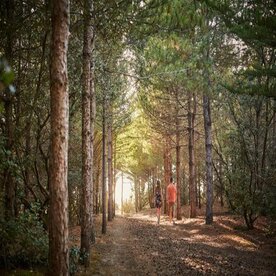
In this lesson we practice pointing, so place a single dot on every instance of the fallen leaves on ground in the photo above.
(136, 245)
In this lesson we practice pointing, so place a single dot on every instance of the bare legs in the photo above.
(171, 212)
(158, 211)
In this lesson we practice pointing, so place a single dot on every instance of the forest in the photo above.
(97, 97)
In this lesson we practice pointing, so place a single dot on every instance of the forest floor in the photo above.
(136, 245)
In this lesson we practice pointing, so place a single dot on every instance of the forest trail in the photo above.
(136, 245)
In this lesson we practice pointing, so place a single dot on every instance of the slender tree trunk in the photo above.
(86, 226)
(272, 160)
(264, 163)
(122, 194)
(58, 209)
(192, 180)
(167, 169)
(196, 186)
(27, 170)
(97, 191)
(166, 174)
(199, 191)
(104, 169)
(110, 176)
(178, 182)
(274, 133)
(114, 176)
(150, 193)
(139, 195)
(208, 148)
(136, 195)
(221, 184)
(93, 121)
(97, 167)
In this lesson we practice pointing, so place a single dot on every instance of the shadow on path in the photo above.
(136, 245)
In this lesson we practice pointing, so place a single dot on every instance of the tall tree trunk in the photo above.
(27, 171)
(192, 176)
(208, 148)
(104, 168)
(114, 170)
(199, 191)
(167, 169)
(58, 209)
(178, 182)
(274, 134)
(139, 195)
(166, 173)
(96, 187)
(150, 188)
(221, 184)
(97, 170)
(93, 121)
(86, 225)
(110, 176)
(136, 194)
(122, 194)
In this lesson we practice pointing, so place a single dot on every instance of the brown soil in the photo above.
(136, 245)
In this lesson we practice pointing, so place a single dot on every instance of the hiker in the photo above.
(158, 200)
(171, 199)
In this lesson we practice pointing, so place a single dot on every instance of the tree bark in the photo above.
(97, 170)
(122, 194)
(136, 194)
(114, 175)
(58, 209)
(104, 168)
(86, 226)
(139, 195)
(110, 177)
(208, 148)
(199, 191)
(192, 176)
(167, 169)
(93, 121)
(178, 182)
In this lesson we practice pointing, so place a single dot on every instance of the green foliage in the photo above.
(6, 76)
(246, 143)
(269, 202)
(138, 148)
(23, 241)
(252, 25)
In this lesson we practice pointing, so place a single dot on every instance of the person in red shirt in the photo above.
(171, 199)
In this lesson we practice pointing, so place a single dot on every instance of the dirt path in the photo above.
(115, 252)
(137, 246)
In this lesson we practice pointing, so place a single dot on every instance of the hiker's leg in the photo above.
(174, 213)
(158, 215)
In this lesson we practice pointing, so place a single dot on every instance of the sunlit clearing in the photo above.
(239, 240)
(199, 264)
(124, 189)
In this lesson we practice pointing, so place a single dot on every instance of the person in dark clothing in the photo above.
(158, 200)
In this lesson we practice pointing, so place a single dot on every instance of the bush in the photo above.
(23, 241)
(128, 207)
